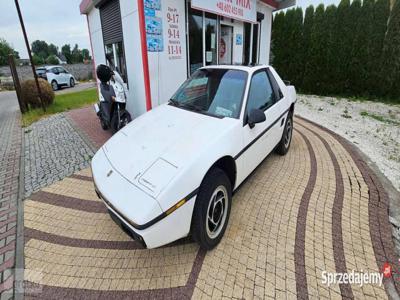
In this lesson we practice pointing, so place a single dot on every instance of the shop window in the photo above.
(116, 58)
(211, 39)
(195, 39)
(111, 26)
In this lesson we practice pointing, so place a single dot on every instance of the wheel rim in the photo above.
(289, 131)
(55, 86)
(216, 212)
(72, 83)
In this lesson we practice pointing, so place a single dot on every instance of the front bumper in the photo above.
(137, 213)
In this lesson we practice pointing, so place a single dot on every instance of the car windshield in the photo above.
(216, 92)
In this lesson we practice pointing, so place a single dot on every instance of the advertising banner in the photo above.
(243, 10)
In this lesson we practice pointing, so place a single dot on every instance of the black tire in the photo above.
(54, 85)
(125, 119)
(71, 82)
(103, 124)
(215, 182)
(284, 145)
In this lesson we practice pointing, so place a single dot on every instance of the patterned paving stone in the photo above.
(53, 151)
(319, 208)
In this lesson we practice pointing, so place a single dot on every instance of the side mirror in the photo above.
(255, 116)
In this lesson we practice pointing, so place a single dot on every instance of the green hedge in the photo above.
(350, 50)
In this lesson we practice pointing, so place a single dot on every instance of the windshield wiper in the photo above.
(193, 107)
(174, 102)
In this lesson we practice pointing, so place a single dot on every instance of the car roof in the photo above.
(246, 68)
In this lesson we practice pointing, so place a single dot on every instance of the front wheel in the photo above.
(71, 82)
(212, 209)
(54, 85)
(286, 140)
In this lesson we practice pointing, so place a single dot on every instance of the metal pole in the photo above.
(30, 54)
(17, 85)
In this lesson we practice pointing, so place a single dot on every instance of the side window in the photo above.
(275, 85)
(261, 94)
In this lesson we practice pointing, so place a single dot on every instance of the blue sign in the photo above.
(149, 12)
(239, 39)
(153, 4)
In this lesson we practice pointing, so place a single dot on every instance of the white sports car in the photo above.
(172, 171)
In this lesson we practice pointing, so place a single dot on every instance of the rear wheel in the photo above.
(212, 209)
(286, 140)
(54, 85)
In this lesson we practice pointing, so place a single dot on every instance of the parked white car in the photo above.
(57, 76)
(173, 170)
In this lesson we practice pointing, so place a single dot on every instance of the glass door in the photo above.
(226, 45)
(210, 23)
(195, 39)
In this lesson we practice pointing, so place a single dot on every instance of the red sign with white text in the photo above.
(243, 10)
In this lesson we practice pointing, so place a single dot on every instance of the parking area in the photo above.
(320, 208)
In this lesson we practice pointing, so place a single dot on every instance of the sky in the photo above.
(59, 22)
(54, 21)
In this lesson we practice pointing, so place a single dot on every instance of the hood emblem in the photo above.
(109, 173)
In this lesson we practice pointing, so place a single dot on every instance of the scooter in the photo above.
(120, 117)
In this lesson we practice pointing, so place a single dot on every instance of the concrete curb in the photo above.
(19, 249)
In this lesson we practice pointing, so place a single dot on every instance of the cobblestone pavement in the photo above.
(53, 150)
(319, 208)
(10, 149)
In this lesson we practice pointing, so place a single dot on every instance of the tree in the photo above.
(37, 60)
(315, 66)
(329, 28)
(53, 49)
(86, 54)
(40, 48)
(306, 81)
(296, 65)
(77, 56)
(66, 51)
(391, 54)
(343, 44)
(377, 38)
(278, 41)
(358, 49)
(5, 50)
(52, 60)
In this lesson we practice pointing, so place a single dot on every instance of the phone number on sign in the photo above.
(229, 8)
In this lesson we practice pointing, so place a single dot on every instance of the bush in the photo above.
(52, 60)
(30, 93)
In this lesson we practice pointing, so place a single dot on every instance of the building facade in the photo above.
(157, 44)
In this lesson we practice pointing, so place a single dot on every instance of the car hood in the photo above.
(152, 150)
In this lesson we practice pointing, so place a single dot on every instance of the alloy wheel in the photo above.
(217, 212)
(289, 132)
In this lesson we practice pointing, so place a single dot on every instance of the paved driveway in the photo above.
(77, 88)
(320, 208)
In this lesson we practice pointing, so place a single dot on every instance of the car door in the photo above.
(63, 75)
(260, 140)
